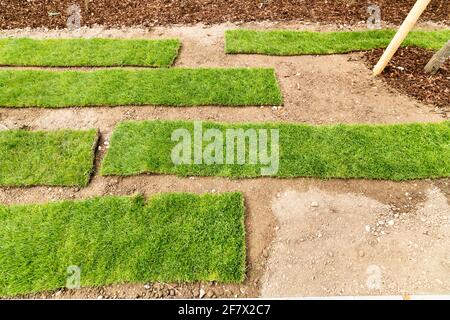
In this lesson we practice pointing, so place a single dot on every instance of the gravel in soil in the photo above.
(347, 244)
(54, 13)
(406, 74)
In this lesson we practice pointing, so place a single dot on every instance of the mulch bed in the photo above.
(114, 13)
(406, 74)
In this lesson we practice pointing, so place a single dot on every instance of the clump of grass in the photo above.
(175, 237)
(57, 158)
(88, 52)
(115, 87)
(390, 152)
(286, 42)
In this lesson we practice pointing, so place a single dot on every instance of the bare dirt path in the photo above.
(317, 90)
(352, 244)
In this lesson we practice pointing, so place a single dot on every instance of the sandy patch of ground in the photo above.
(349, 244)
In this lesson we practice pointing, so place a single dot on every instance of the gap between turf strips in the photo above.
(388, 152)
(52, 158)
(289, 42)
(88, 52)
(116, 87)
(174, 237)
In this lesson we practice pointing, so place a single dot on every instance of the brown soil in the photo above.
(317, 90)
(406, 73)
(116, 13)
(351, 244)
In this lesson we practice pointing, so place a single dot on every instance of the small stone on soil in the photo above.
(314, 204)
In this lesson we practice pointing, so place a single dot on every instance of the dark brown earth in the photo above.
(406, 74)
(52, 13)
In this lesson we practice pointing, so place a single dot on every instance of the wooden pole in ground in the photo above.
(401, 34)
(438, 59)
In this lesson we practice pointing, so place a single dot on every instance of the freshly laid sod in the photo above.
(87, 52)
(390, 152)
(59, 158)
(113, 87)
(173, 238)
(284, 42)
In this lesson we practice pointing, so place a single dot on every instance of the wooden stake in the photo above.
(438, 59)
(401, 34)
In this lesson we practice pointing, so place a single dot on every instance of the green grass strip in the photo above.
(172, 238)
(87, 52)
(390, 152)
(285, 43)
(57, 158)
(114, 87)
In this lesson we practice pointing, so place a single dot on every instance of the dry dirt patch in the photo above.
(349, 244)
